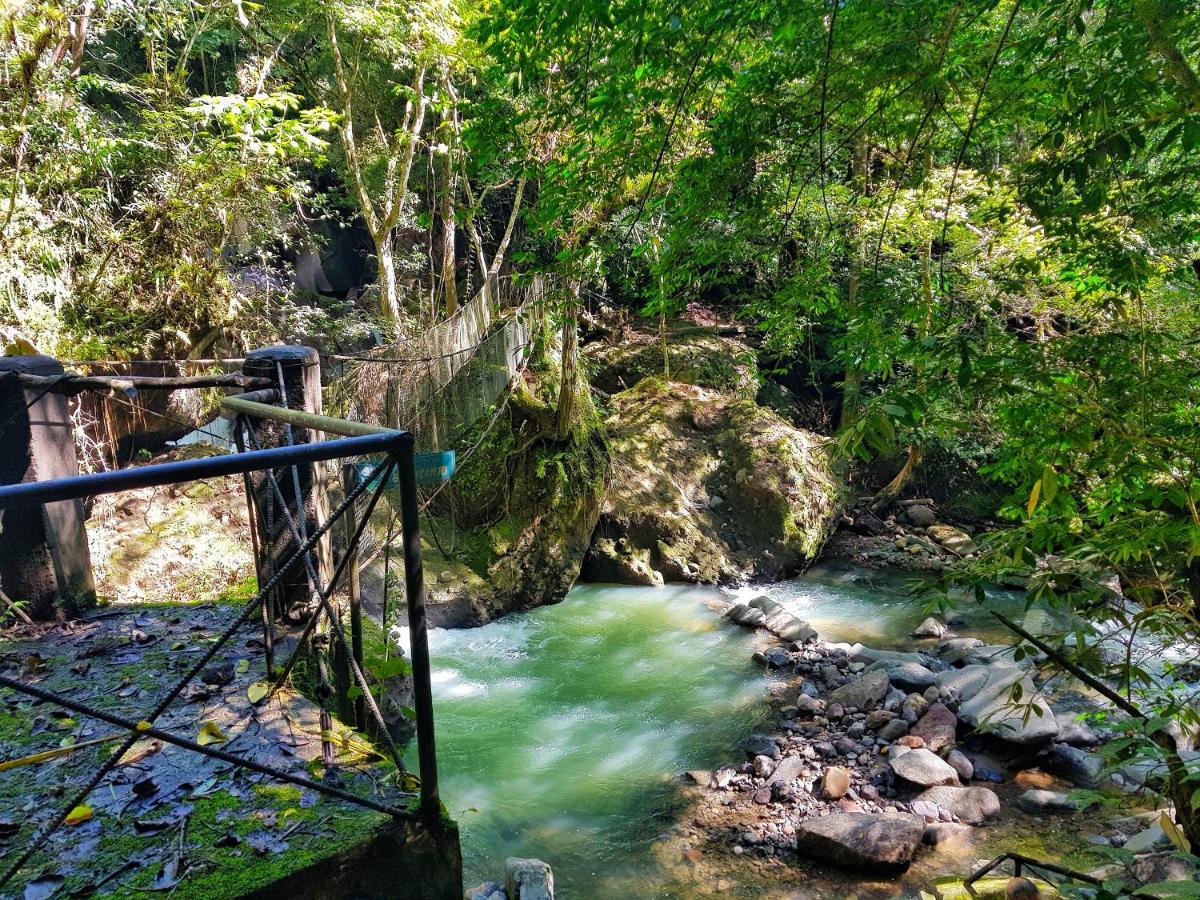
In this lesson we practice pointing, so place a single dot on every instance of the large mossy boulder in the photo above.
(525, 504)
(708, 486)
(695, 355)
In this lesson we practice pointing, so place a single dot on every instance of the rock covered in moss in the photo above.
(713, 487)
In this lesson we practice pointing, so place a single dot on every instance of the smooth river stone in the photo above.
(865, 693)
(985, 702)
(922, 768)
(973, 805)
(861, 840)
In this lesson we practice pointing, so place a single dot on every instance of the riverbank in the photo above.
(888, 772)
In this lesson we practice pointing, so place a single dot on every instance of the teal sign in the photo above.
(431, 468)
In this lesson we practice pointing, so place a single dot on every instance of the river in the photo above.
(563, 732)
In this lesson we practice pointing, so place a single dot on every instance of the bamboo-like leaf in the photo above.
(1049, 483)
(1033, 497)
(1174, 834)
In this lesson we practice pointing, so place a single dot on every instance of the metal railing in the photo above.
(396, 447)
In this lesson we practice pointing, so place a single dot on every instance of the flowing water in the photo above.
(563, 732)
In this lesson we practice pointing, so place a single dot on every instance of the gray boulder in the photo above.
(1045, 802)
(961, 764)
(488, 890)
(861, 840)
(921, 516)
(781, 622)
(930, 628)
(745, 615)
(528, 879)
(908, 676)
(1076, 766)
(864, 693)
(973, 805)
(985, 703)
(921, 767)
(789, 769)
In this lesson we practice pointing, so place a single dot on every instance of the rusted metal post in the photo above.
(296, 372)
(44, 558)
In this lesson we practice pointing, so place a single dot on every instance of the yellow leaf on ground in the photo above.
(258, 691)
(211, 733)
(243, 666)
(80, 814)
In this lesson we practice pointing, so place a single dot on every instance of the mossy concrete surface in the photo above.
(171, 820)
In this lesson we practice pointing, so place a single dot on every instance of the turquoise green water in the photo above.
(562, 732)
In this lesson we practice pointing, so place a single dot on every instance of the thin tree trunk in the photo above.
(449, 284)
(851, 384)
(389, 299)
(568, 386)
(446, 201)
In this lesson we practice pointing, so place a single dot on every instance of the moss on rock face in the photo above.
(708, 486)
(696, 355)
(525, 504)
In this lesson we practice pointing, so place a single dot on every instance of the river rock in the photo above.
(930, 628)
(953, 539)
(973, 805)
(776, 658)
(809, 706)
(922, 768)
(1075, 765)
(985, 702)
(488, 890)
(781, 622)
(789, 769)
(1148, 839)
(961, 764)
(760, 744)
(835, 783)
(865, 693)
(938, 727)
(742, 614)
(867, 654)
(908, 676)
(763, 766)
(921, 516)
(1077, 734)
(1044, 802)
(893, 730)
(528, 879)
(861, 840)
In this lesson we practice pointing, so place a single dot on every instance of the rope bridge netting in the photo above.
(439, 383)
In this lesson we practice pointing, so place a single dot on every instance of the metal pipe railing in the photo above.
(366, 439)
(77, 487)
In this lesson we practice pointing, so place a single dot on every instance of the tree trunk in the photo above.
(389, 299)
(851, 384)
(892, 489)
(568, 387)
(449, 285)
(446, 205)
